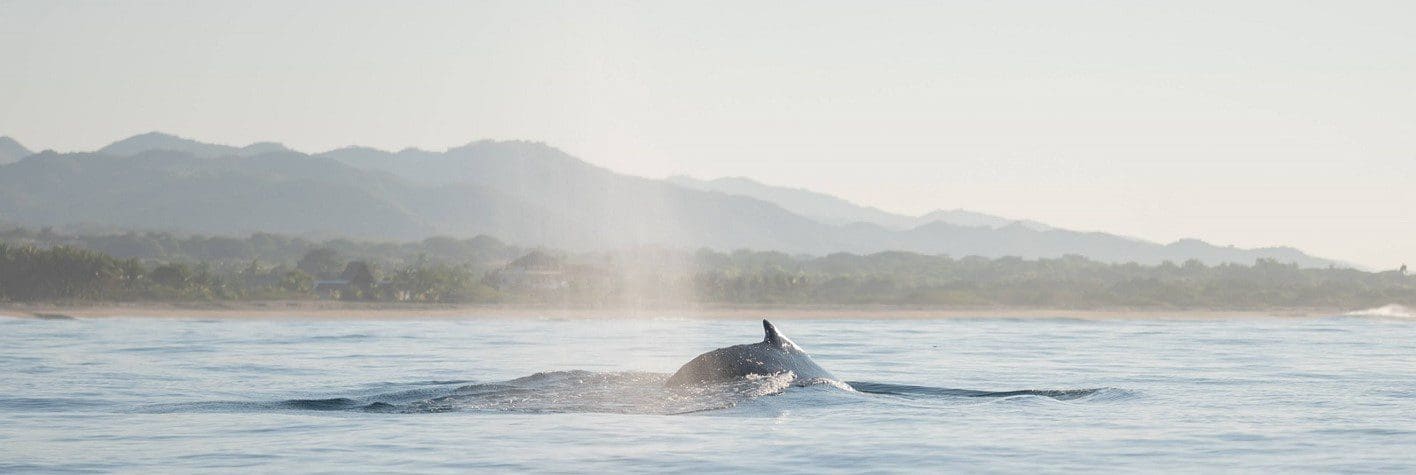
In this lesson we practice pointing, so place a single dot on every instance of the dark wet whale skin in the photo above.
(775, 354)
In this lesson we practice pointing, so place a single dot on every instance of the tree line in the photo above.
(64, 273)
(46, 266)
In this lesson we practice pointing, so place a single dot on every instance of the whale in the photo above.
(774, 355)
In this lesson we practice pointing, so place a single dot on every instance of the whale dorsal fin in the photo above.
(776, 338)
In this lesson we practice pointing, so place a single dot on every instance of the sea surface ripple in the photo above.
(416, 395)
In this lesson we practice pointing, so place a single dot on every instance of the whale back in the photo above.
(775, 354)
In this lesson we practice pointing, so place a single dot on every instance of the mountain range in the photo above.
(832, 210)
(522, 192)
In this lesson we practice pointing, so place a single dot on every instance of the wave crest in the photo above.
(1389, 310)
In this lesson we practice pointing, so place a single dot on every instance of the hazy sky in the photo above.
(1245, 123)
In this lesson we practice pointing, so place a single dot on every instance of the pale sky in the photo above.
(1244, 123)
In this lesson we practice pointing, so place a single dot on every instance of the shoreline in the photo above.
(337, 310)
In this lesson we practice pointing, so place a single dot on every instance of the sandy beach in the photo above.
(319, 309)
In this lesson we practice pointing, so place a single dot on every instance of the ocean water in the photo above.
(455, 395)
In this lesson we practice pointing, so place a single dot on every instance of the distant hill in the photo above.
(964, 217)
(160, 141)
(598, 208)
(12, 151)
(818, 206)
(522, 192)
(170, 190)
(289, 192)
(832, 210)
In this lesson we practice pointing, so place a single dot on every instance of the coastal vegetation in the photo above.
(45, 266)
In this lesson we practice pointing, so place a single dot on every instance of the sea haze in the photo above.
(996, 394)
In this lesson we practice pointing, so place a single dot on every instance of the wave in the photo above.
(610, 392)
(52, 404)
(548, 392)
(922, 392)
(1390, 310)
(38, 316)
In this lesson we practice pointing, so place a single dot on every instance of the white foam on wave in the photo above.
(758, 385)
(1390, 310)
